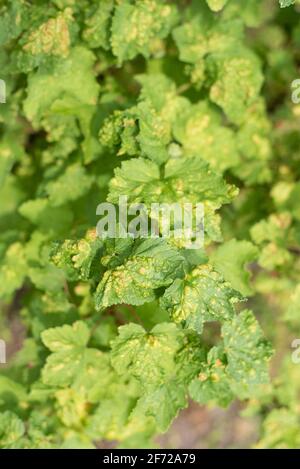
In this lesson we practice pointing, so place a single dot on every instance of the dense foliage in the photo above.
(164, 101)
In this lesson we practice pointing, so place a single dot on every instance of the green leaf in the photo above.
(68, 344)
(11, 392)
(97, 24)
(11, 429)
(201, 296)
(72, 77)
(86, 370)
(280, 430)
(59, 339)
(231, 259)
(10, 152)
(158, 109)
(163, 405)
(216, 5)
(72, 184)
(292, 312)
(286, 3)
(113, 416)
(49, 219)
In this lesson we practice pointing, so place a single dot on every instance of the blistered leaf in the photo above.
(212, 383)
(139, 178)
(237, 82)
(136, 27)
(120, 130)
(185, 179)
(238, 369)
(199, 129)
(204, 34)
(13, 270)
(248, 353)
(253, 142)
(150, 357)
(152, 264)
(14, 17)
(51, 37)
(202, 295)
(163, 360)
(271, 235)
